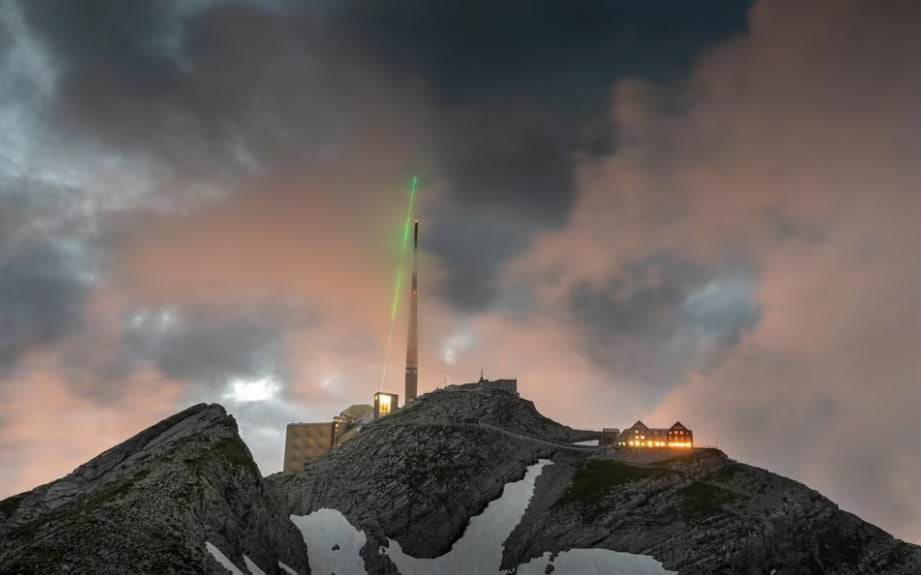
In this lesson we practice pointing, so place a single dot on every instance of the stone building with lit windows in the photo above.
(680, 436)
(640, 435)
(385, 404)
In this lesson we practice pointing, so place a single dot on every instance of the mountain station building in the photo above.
(640, 435)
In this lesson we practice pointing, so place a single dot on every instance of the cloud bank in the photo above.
(702, 212)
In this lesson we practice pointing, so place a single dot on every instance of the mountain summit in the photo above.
(464, 480)
(150, 505)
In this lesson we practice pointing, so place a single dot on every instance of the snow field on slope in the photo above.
(480, 548)
(250, 565)
(594, 562)
(334, 545)
(477, 552)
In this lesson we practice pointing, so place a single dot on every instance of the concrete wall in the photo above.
(306, 442)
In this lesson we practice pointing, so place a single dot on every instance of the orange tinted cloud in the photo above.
(794, 158)
(49, 429)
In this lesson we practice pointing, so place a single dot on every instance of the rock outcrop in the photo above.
(406, 488)
(702, 513)
(417, 477)
(149, 505)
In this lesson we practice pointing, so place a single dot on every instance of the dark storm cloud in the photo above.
(661, 318)
(206, 89)
(41, 298)
(521, 87)
(46, 267)
(510, 93)
(465, 238)
(519, 91)
(207, 347)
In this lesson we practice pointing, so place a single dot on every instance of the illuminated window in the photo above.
(384, 408)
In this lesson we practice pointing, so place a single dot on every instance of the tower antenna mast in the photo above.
(412, 339)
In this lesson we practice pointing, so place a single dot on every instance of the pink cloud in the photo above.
(795, 157)
(49, 429)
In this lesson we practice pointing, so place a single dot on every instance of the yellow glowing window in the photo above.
(384, 404)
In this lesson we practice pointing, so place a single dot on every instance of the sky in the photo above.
(704, 212)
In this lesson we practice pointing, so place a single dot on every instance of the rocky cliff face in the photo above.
(413, 486)
(702, 513)
(419, 475)
(150, 504)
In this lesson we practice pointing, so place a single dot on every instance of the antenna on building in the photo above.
(412, 337)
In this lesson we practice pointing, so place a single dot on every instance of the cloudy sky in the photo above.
(705, 211)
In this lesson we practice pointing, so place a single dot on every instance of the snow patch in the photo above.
(253, 568)
(222, 559)
(234, 570)
(479, 550)
(587, 442)
(333, 545)
(594, 562)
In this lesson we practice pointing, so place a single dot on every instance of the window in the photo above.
(384, 404)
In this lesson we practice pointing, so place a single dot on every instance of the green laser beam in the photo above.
(398, 282)
(409, 216)
(396, 292)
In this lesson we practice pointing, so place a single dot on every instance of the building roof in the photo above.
(642, 426)
(357, 411)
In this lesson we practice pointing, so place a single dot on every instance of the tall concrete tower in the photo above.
(412, 339)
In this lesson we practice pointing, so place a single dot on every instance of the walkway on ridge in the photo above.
(496, 428)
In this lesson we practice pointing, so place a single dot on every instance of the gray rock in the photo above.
(417, 477)
(702, 513)
(149, 504)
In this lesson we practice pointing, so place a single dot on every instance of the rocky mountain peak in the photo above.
(416, 478)
(152, 502)
(465, 476)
